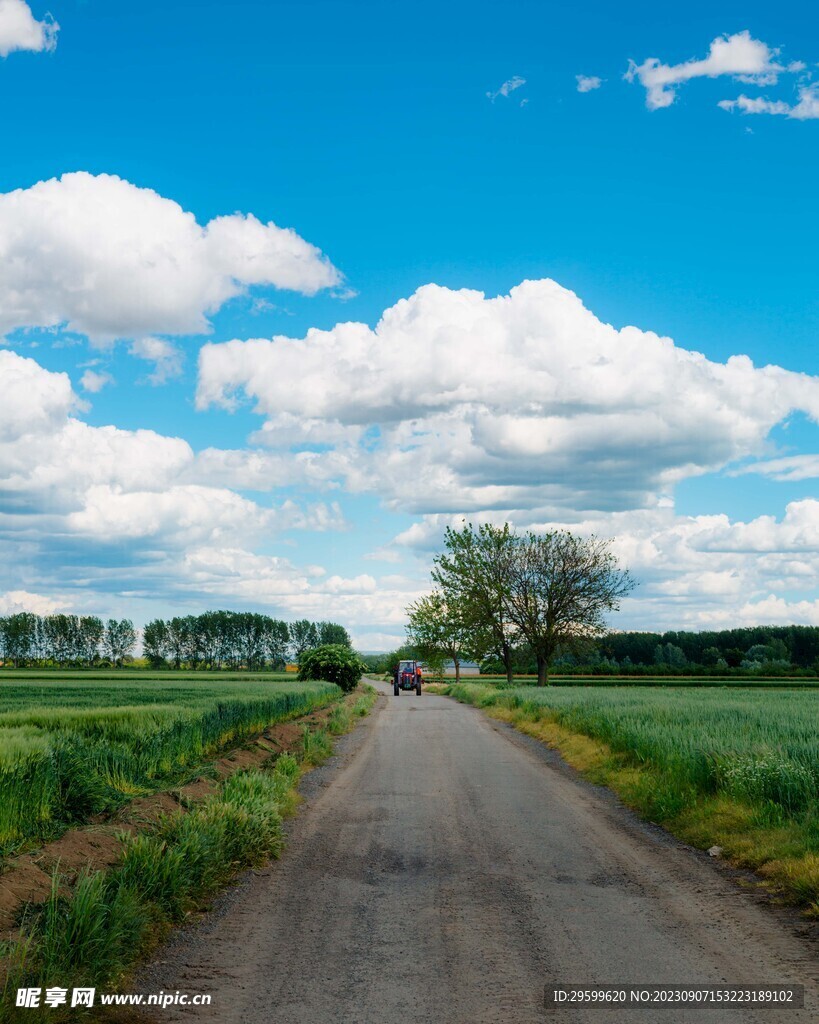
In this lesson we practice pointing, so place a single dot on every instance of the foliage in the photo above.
(439, 628)
(212, 640)
(225, 639)
(548, 591)
(473, 575)
(768, 649)
(119, 640)
(335, 663)
(65, 639)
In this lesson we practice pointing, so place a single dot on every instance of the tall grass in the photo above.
(89, 935)
(60, 764)
(28, 780)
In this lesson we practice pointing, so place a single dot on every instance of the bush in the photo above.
(334, 663)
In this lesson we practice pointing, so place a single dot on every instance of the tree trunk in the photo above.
(507, 662)
(457, 670)
(542, 671)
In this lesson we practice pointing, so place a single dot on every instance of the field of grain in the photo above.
(76, 744)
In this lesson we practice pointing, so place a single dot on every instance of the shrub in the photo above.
(334, 663)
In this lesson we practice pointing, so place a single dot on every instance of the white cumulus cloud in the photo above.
(110, 518)
(15, 601)
(111, 260)
(738, 56)
(587, 83)
(458, 402)
(34, 401)
(94, 381)
(20, 30)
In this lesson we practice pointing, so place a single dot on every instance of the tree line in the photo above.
(213, 640)
(771, 649)
(65, 640)
(496, 590)
(224, 639)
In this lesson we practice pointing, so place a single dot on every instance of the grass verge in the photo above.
(92, 932)
(758, 804)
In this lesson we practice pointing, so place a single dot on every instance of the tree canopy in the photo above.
(497, 588)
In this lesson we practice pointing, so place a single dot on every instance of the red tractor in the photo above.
(407, 676)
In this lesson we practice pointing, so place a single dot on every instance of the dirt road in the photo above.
(447, 870)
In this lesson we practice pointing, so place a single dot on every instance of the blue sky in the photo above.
(371, 132)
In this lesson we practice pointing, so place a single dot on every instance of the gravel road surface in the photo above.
(445, 869)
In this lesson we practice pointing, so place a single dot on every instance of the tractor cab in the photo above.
(407, 676)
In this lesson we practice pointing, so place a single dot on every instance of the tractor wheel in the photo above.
(395, 691)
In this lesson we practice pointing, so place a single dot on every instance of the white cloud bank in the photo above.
(805, 109)
(695, 572)
(107, 484)
(130, 522)
(20, 30)
(523, 407)
(458, 402)
(739, 56)
(111, 260)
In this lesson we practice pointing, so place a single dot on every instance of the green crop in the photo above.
(71, 746)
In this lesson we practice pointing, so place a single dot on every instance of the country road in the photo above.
(445, 869)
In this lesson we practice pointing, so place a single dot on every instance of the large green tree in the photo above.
(561, 587)
(438, 629)
(120, 640)
(474, 574)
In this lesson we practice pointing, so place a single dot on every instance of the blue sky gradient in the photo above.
(367, 128)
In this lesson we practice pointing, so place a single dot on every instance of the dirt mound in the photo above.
(196, 791)
(23, 882)
(146, 810)
(95, 847)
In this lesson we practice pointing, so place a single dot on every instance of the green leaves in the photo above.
(336, 663)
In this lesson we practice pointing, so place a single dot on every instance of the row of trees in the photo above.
(224, 639)
(63, 640)
(216, 640)
(754, 648)
(496, 590)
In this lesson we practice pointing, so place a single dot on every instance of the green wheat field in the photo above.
(76, 744)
